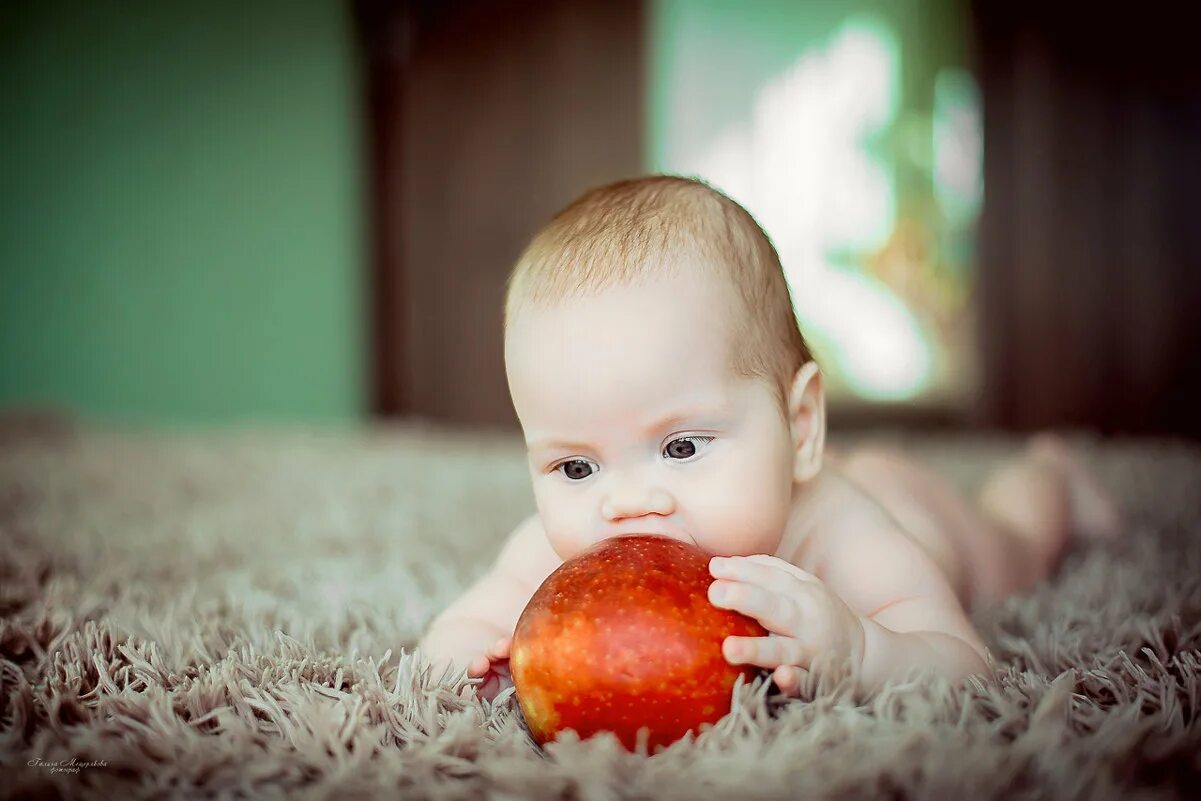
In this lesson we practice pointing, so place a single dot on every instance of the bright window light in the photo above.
(797, 113)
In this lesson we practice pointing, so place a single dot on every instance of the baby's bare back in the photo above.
(1002, 542)
(922, 504)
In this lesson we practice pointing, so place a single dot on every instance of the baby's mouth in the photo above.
(653, 531)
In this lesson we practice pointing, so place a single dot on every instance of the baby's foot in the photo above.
(1094, 514)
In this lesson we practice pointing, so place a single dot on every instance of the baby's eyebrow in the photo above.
(663, 423)
(672, 420)
(557, 444)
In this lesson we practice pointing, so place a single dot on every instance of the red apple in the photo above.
(623, 636)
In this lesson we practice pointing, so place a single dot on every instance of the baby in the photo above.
(663, 386)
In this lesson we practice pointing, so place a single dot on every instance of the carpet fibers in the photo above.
(233, 615)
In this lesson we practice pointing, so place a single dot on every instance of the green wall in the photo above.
(180, 218)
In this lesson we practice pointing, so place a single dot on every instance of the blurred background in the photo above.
(219, 213)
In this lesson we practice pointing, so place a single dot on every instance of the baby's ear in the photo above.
(807, 420)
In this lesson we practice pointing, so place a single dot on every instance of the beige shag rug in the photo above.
(232, 615)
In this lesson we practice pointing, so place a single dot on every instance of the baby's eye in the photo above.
(683, 448)
(575, 469)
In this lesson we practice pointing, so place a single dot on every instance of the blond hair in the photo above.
(631, 230)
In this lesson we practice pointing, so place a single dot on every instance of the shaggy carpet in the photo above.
(233, 615)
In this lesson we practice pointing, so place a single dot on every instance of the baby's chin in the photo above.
(567, 542)
(567, 548)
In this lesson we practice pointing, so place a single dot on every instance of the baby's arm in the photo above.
(472, 632)
(858, 596)
(910, 614)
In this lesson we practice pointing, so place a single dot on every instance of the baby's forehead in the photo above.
(661, 319)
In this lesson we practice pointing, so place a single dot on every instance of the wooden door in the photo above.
(487, 118)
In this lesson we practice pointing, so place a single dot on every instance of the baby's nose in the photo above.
(635, 499)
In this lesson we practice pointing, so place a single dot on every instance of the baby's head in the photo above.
(656, 366)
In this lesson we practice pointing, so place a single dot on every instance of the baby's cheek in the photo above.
(740, 519)
(550, 516)
(566, 532)
(759, 497)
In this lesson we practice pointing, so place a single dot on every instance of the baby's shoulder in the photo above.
(527, 554)
(830, 515)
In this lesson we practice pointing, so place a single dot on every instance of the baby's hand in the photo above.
(493, 667)
(806, 619)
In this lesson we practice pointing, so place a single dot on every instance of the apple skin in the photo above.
(623, 636)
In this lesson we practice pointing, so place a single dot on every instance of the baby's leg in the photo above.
(1036, 503)
(1046, 497)
(1026, 502)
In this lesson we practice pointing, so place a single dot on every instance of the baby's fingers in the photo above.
(777, 612)
(478, 666)
(500, 649)
(765, 652)
(788, 680)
